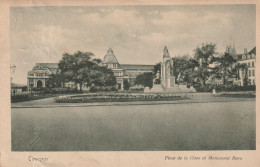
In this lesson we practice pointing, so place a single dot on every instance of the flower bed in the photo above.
(250, 94)
(116, 97)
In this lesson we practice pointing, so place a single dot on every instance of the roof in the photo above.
(253, 51)
(48, 68)
(240, 56)
(136, 67)
(110, 58)
(49, 65)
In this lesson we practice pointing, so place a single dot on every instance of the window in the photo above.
(249, 73)
(248, 64)
(253, 72)
(253, 64)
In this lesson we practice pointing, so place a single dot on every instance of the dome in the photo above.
(110, 58)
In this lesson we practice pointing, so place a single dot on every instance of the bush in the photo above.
(102, 88)
(222, 88)
(201, 88)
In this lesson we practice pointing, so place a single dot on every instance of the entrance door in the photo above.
(39, 84)
(119, 86)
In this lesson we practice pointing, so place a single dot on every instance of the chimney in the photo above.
(245, 51)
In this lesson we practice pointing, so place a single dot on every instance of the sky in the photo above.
(137, 34)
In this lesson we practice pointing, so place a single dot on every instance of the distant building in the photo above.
(124, 71)
(38, 77)
(231, 50)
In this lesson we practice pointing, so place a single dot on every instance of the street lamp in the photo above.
(12, 69)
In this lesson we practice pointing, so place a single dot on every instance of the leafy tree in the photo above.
(97, 60)
(126, 84)
(181, 63)
(56, 80)
(241, 67)
(145, 79)
(204, 55)
(224, 67)
(156, 68)
(76, 67)
(238, 67)
(189, 72)
(101, 76)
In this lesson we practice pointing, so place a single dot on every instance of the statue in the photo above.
(180, 78)
(157, 78)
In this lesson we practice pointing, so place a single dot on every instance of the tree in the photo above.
(126, 84)
(156, 68)
(244, 69)
(181, 63)
(145, 79)
(189, 72)
(56, 80)
(224, 68)
(204, 55)
(100, 76)
(76, 67)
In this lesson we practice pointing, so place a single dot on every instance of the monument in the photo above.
(165, 81)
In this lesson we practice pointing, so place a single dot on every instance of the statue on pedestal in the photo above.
(180, 78)
(157, 79)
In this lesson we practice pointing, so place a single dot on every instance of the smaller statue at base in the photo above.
(180, 79)
(157, 79)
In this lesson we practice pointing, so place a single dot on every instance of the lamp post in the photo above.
(12, 70)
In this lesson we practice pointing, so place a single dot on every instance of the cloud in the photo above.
(115, 17)
(136, 34)
(180, 19)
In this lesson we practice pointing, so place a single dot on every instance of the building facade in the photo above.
(38, 77)
(249, 59)
(124, 71)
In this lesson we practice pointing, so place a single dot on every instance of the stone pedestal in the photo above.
(157, 88)
(172, 82)
(147, 90)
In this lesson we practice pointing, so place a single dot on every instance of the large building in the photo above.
(248, 58)
(39, 75)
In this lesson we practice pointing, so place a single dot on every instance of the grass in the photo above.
(201, 126)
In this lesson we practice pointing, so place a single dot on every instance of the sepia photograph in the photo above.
(133, 78)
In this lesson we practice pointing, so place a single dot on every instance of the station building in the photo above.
(38, 77)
